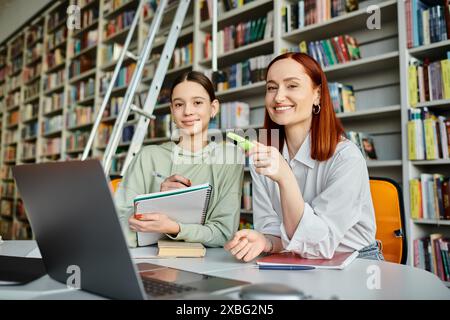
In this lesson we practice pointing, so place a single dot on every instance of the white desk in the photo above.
(396, 281)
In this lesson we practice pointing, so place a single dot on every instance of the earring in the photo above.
(316, 109)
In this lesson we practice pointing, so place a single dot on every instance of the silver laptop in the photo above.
(74, 220)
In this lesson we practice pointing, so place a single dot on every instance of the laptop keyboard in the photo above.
(159, 288)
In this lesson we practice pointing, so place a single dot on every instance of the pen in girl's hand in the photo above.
(186, 182)
(159, 175)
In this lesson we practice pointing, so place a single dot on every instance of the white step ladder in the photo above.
(146, 112)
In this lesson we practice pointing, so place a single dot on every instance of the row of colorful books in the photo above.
(307, 12)
(430, 197)
(235, 36)
(56, 17)
(241, 74)
(245, 223)
(56, 39)
(13, 229)
(12, 83)
(29, 130)
(31, 72)
(342, 97)
(110, 52)
(113, 107)
(426, 22)
(82, 90)
(89, 16)
(87, 40)
(428, 81)
(428, 135)
(432, 254)
(9, 153)
(111, 5)
(123, 78)
(6, 172)
(77, 140)
(8, 189)
(80, 65)
(34, 33)
(51, 147)
(52, 124)
(13, 118)
(6, 210)
(223, 6)
(16, 65)
(79, 115)
(28, 150)
(33, 53)
(54, 80)
(54, 58)
(182, 56)
(246, 202)
(12, 100)
(333, 51)
(16, 46)
(31, 90)
(118, 24)
(11, 136)
(364, 142)
(53, 102)
(161, 127)
(233, 115)
(30, 111)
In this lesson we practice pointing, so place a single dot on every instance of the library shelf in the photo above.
(132, 4)
(241, 53)
(82, 76)
(363, 65)
(55, 89)
(341, 24)
(92, 26)
(371, 113)
(87, 50)
(247, 11)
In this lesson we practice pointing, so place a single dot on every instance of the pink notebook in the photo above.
(339, 261)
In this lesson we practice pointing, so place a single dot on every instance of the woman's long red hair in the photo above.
(326, 128)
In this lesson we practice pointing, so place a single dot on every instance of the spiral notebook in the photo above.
(187, 205)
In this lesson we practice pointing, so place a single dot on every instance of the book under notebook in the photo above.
(169, 248)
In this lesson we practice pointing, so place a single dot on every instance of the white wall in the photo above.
(14, 13)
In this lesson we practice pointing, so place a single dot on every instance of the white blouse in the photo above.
(338, 213)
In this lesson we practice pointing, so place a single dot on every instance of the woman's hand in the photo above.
(175, 181)
(269, 162)
(153, 222)
(248, 244)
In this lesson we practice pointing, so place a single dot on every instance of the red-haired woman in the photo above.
(311, 194)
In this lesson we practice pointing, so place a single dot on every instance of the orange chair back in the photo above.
(115, 184)
(389, 215)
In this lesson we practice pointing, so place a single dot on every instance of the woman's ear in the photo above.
(317, 92)
(215, 105)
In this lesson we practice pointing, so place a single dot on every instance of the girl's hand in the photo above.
(153, 222)
(269, 162)
(247, 245)
(175, 181)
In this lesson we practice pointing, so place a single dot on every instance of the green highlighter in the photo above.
(242, 142)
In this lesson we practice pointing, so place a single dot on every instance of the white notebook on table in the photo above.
(187, 205)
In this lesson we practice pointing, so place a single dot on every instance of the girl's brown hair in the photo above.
(196, 77)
